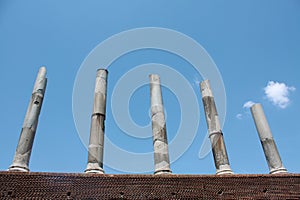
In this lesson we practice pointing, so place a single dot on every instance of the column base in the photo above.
(281, 170)
(224, 169)
(18, 169)
(163, 172)
(94, 168)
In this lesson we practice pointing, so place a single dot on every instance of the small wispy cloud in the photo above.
(196, 81)
(239, 116)
(248, 104)
(278, 93)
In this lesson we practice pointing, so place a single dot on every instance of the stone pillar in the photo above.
(95, 157)
(23, 152)
(160, 141)
(215, 132)
(267, 141)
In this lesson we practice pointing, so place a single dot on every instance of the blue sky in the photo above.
(254, 44)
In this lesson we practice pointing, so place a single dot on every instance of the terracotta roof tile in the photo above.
(35, 185)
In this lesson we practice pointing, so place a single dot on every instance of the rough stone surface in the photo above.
(267, 141)
(24, 148)
(160, 142)
(214, 129)
(95, 156)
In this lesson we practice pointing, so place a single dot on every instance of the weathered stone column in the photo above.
(215, 132)
(267, 141)
(160, 141)
(23, 152)
(95, 157)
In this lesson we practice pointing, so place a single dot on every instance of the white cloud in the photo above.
(239, 116)
(278, 93)
(248, 104)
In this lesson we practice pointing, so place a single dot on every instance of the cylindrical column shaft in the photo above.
(267, 141)
(160, 142)
(95, 157)
(23, 152)
(215, 132)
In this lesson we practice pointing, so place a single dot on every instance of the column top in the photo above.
(102, 69)
(205, 89)
(154, 78)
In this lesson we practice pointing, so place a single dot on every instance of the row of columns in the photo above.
(160, 142)
(217, 141)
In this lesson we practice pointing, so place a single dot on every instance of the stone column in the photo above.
(215, 132)
(23, 152)
(160, 142)
(267, 141)
(95, 157)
